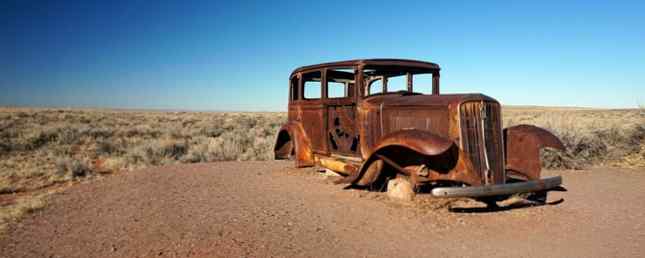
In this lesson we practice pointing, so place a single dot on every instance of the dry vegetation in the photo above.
(42, 148)
(592, 136)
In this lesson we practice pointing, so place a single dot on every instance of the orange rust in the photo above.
(523, 144)
(458, 137)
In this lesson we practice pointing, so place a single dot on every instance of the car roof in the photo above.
(370, 62)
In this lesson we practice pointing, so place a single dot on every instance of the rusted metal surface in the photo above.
(523, 144)
(423, 142)
(481, 138)
(299, 142)
(365, 130)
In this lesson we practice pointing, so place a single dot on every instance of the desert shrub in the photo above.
(95, 132)
(140, 131)
(213, 130)
(39, 138)
(198, 150)
(68, 135)
(4, 148)
(229, 146)
(106, 147)
(171, 148)
(72, 168)
(158, 152)
(113, 164)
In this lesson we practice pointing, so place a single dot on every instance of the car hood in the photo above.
(396, 99)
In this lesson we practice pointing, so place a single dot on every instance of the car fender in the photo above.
(425, 144)
(301, 144)
(522, 149)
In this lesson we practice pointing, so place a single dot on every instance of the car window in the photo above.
(397, 83)
(422, 83)
(312, 89)
(312, 85)
(397, 79)
(336, 90)
(376, 87)
(340, 82)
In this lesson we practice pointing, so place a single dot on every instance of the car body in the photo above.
(374, 119)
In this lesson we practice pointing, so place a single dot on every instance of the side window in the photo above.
(422, 83)
(340, 83)
(397, 83)
(312, 86)
(375, 87)
(294, 89)
(336, 90)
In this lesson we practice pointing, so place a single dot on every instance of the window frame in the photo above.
(348, 89)
(294, 89)
(322, 85)
(365, 88)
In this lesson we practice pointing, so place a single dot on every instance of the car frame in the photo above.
(364, 120)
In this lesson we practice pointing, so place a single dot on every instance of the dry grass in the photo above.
(20, 207)
(40, 148)
(592, 136)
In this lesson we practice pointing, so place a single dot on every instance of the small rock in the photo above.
(400, 189)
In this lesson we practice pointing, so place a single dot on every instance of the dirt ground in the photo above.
(259, 209)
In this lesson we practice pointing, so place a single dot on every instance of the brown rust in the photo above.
(352, 117)
(523, 144)
(300, 142)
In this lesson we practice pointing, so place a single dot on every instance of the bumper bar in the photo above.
(499, 189)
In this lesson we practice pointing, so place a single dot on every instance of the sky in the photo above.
(237, 55)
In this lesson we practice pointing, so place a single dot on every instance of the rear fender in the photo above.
(412, 148)
(522, 148)
(297, 143)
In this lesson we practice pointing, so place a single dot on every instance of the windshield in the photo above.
(404, 80)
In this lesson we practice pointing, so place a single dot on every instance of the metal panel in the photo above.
(482, 139)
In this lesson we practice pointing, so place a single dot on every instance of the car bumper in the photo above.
(499, 189)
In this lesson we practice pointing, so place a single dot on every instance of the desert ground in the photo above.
(82, 182)
(269, 209)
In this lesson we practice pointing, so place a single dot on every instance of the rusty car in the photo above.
(372, 120)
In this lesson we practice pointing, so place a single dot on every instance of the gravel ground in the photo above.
(259, 209)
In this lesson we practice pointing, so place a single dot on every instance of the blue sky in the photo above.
(237, 55)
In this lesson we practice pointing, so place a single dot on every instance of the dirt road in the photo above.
(258, 209)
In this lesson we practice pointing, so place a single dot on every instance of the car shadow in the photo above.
(519, 204)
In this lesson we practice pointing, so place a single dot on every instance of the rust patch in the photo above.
(523, 144)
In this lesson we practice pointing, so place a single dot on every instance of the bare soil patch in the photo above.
(259, 209)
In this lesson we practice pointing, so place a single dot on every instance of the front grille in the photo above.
(485, 149)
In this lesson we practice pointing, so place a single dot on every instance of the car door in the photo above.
(342, 136)
(312, 113)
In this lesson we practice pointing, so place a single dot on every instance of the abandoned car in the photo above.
(376, 119)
